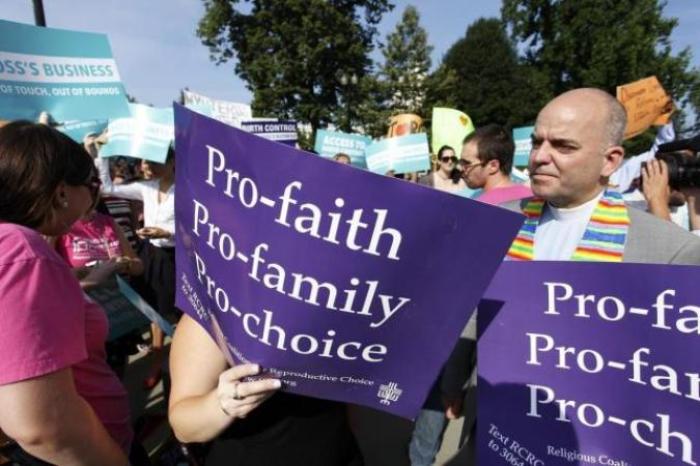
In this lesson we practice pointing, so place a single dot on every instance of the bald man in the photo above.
(574, 215)
(576, 146)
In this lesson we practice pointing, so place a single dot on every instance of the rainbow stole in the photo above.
(603, 240)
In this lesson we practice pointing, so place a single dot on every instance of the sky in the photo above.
(158, 52)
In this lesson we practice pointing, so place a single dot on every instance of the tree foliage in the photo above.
(295, 55)
(480, 75)
(406, 63)
(601, 43)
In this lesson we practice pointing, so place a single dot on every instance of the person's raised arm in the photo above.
(692, 197)
(130, 261)
(126, 191)
(134, 191)
(206, 397)
(656, 189)
(51, 421)
(631, 167)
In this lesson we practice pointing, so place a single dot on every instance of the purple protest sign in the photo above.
(347, 285)
(589, 363)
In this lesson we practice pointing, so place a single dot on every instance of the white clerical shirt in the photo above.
(560, 230)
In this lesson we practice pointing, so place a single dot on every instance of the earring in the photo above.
(65, 204)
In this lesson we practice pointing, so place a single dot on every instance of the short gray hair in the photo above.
(617, 121)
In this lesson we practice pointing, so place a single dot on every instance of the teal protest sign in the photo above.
(142, 306)
(126, 310)
(147, 134)
(77, 130)
(329, 143)
(404, 154)
(71, 75)
(523, 144)
(123, 316)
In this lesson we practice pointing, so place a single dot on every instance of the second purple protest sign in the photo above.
(347, 285)
(589, 364)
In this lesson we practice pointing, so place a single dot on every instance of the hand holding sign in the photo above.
(238, 397)
(153, 233)
(101, 272)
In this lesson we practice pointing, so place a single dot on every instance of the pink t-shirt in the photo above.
(89, 240)
(43, 312)
(502, 195)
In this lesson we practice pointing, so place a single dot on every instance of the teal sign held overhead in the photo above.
(146, 135)
(522, 137)
(330, 143)
(71, 75)
(77, 130)
(404, 154)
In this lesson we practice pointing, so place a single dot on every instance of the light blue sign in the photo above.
(404, 154)
(469, 193)
(146, 135)
(330, 143)
(77, 130)
(71, 75)
(519, 176)
(523, 145)
(141, 304)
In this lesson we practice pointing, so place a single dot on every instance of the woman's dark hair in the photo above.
(101, 207)
(171, 154)
(443, 149)
(34, 160)
(494, 142)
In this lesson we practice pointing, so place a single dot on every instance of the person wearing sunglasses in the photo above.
(486, 162)
(60, 402)
(446, 177)
(96, 246)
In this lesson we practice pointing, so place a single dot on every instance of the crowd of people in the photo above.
(71, 221)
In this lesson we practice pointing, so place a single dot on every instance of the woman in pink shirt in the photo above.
(96, 248)
(59, 400)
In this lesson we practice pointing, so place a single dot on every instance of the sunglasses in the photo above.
(467, 164)
(452, 159)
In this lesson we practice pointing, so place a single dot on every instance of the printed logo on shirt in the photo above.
(85, 248)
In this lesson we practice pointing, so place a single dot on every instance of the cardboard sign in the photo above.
(646, 103)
